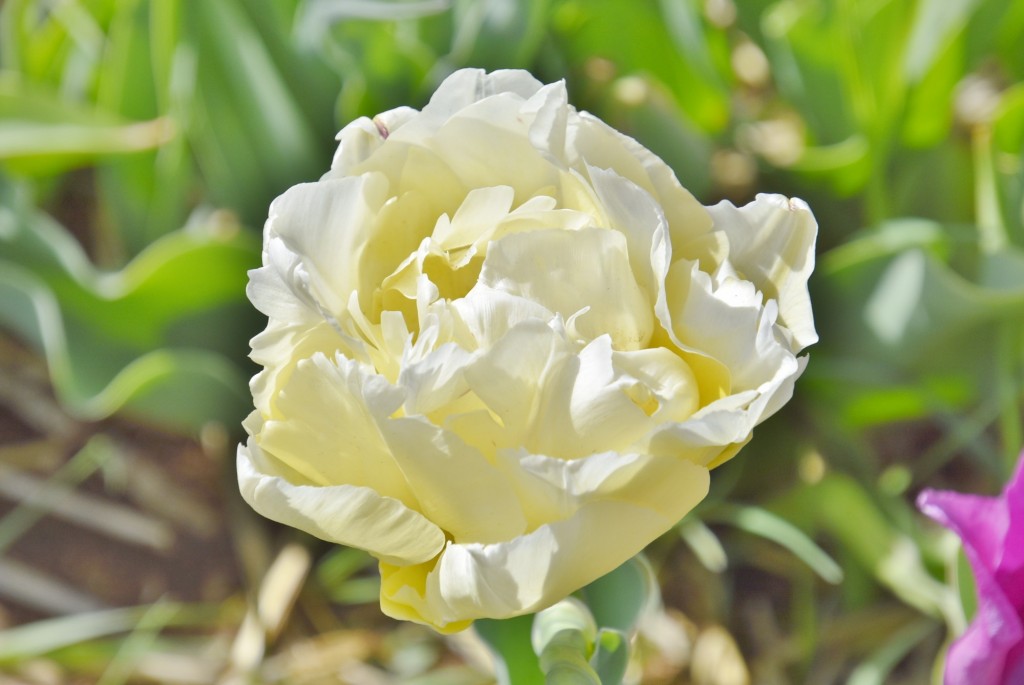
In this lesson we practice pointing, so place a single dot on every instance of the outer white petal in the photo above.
(487, 144)
(280, 347)
(550, 112)
(280, 288)
(327, 224)
(468, 86)
(624, 502)
(716, 432)
(598, 144)
(728, 322)
(361, 138)
(771, 243)
(344, 514)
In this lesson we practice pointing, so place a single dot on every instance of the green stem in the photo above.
(992, 234)
(1009, 390)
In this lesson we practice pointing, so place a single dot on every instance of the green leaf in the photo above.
(618, 599)
(570, 615)
(935, 24)
(763, 523)
(650, 40)
(1006, 157)
(563, 638)
(496, 34)
(42, 134)
(840, 506)
(250, 133)
(131, 338)
(611, 656)
(317, 16)
(509, 641)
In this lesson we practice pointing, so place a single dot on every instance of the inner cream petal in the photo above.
(567, 271)
(331, 435)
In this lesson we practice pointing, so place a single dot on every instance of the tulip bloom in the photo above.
(991, 651)
(505, 346)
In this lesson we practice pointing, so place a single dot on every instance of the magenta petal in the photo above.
(979, 656)
(1010, 569)
(980, 522)
(991, 651)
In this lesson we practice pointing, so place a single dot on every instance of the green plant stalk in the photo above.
(1009, 390)
(987, 215)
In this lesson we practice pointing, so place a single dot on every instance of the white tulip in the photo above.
(505, 346)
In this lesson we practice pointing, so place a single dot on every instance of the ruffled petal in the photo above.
(329, 427)
(597, 144)
(325, 227)
(343, 514)
(363, 136)
(771, 244)
(456, 487)
(539, 266)
(980, 654)
(634, 213)
(465, 87)
(615, 518)
(727, 321)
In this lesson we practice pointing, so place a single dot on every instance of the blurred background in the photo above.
(141, 142)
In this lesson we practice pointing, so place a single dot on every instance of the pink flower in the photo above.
(991, 651)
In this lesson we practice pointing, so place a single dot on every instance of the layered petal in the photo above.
(505, 345)
(619, 504)
(329, 428)
(991, 650)
(605, 295)
(344, 514)
(771, 244)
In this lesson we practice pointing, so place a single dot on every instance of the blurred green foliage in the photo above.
(141, 142)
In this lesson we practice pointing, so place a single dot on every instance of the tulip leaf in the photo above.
(251, 134)
(317, 16)
(934, 24)
(1007, 164)
(652, 40)
(617, 599)
(563, 638)
(840, 506)
(509, 642)
(611, 656)
(921, 308)
(496, 34)
(42, 133)
(138, 337)
(761, 522)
